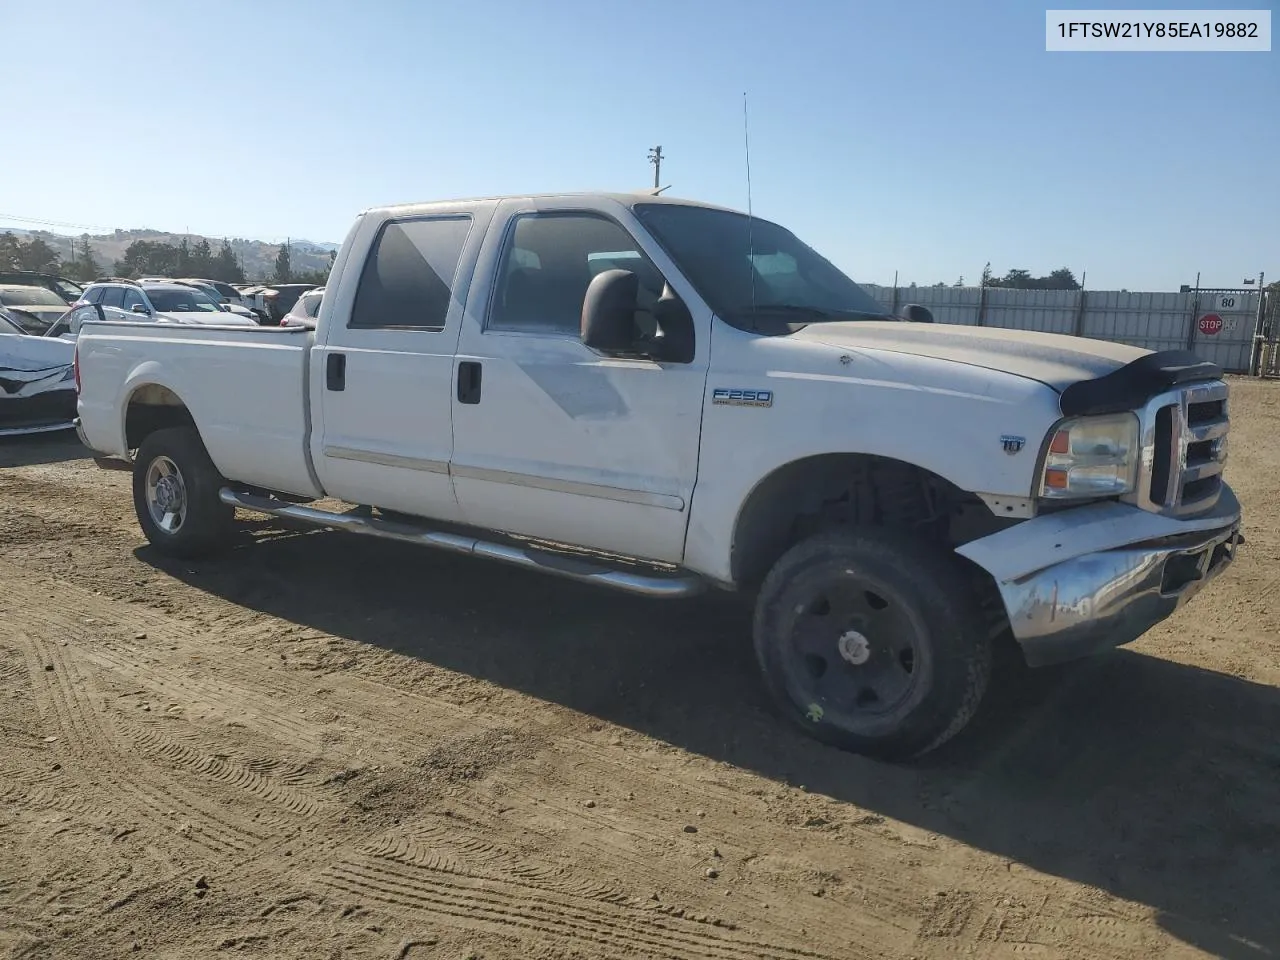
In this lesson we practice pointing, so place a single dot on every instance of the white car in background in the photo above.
(37, 380)
(164, 301)
(304, 312)
(225, 294)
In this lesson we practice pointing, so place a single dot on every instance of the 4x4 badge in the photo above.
(1012, 444)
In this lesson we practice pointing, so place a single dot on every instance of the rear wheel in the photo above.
(871, 641)
(175, 494)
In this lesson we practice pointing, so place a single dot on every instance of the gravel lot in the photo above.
(322, 746)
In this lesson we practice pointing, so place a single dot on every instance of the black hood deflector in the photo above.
(1135, 383)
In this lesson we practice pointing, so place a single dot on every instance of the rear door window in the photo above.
(407, 282)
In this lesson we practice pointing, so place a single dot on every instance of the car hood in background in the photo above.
(47, 314)
(208, 317)
(1053, 359)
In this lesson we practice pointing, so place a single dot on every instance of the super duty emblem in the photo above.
(742, 398)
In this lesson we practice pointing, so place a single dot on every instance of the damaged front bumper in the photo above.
(1113, 572)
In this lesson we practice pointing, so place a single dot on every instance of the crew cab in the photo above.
(662, 396)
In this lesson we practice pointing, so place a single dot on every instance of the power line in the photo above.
(54, 223)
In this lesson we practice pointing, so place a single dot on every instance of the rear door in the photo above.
(382, 376)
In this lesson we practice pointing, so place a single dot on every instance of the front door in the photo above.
(382, 377)
(554, 440)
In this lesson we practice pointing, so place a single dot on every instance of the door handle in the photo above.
(335, 371)
(469, 372)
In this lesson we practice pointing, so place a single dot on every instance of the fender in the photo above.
(149, 373)
(975, 428)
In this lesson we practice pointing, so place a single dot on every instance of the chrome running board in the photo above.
(572, 567)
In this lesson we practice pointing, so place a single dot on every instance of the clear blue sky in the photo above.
(922, 137)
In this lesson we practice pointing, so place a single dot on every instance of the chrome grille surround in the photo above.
(1184, 448)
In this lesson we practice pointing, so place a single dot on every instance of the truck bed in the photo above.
(246, 388)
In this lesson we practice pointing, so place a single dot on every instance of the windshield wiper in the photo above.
(819, 313)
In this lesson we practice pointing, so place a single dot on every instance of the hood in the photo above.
(208, 317)
(1053, 359)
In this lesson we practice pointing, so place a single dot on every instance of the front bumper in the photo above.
(1084, 580)
(1103, 600)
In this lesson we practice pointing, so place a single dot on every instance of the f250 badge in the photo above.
(742, 398)
(1012, 444)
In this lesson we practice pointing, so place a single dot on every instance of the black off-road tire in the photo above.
(208, 522)
(904, 587)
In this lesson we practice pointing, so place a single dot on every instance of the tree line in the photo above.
(1060, 279)
(144, 258)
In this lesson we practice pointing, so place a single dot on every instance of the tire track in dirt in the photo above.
(502, 904)
(259, 777)
(66, 695)
(438, 848)
(991, 922)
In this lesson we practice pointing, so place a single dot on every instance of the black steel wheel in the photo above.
(871, 640)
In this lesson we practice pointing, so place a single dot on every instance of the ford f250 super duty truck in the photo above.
(659, 395)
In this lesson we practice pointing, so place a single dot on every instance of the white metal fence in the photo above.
(1218, 325)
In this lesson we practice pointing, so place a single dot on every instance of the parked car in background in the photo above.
(304, 312)
(35, 309)
(37, 380)
(227, 303)
(280, 298)
(163, 301)
(68, 290)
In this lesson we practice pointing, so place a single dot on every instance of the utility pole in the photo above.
(655, 157)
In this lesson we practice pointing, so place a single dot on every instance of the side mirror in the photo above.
(675, 340)
(139, 308)
(609, 312)
(915, 313)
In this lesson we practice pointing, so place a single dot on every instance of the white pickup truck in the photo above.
(659, 395)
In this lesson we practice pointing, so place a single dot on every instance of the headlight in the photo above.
(1091, 457)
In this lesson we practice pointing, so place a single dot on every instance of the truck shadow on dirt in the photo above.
(1154, 781)
(40, 448)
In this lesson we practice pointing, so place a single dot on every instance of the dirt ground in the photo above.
(323, 746)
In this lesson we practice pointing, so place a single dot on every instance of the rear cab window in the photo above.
(407, 281)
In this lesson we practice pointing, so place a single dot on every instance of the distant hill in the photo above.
(256, 257)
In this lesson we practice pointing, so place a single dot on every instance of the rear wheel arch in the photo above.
(151, 407)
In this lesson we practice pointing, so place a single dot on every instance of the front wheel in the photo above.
(175, 494)
(871, 641)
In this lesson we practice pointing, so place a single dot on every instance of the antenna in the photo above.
(751, 244)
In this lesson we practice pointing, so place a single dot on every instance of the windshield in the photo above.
(755, 274)
(182, 301)
(30, 297)
(69, 289)
(24, 322)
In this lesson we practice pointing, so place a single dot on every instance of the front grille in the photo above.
(1185, 448)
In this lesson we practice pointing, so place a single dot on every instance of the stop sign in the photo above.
(1210, 324)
